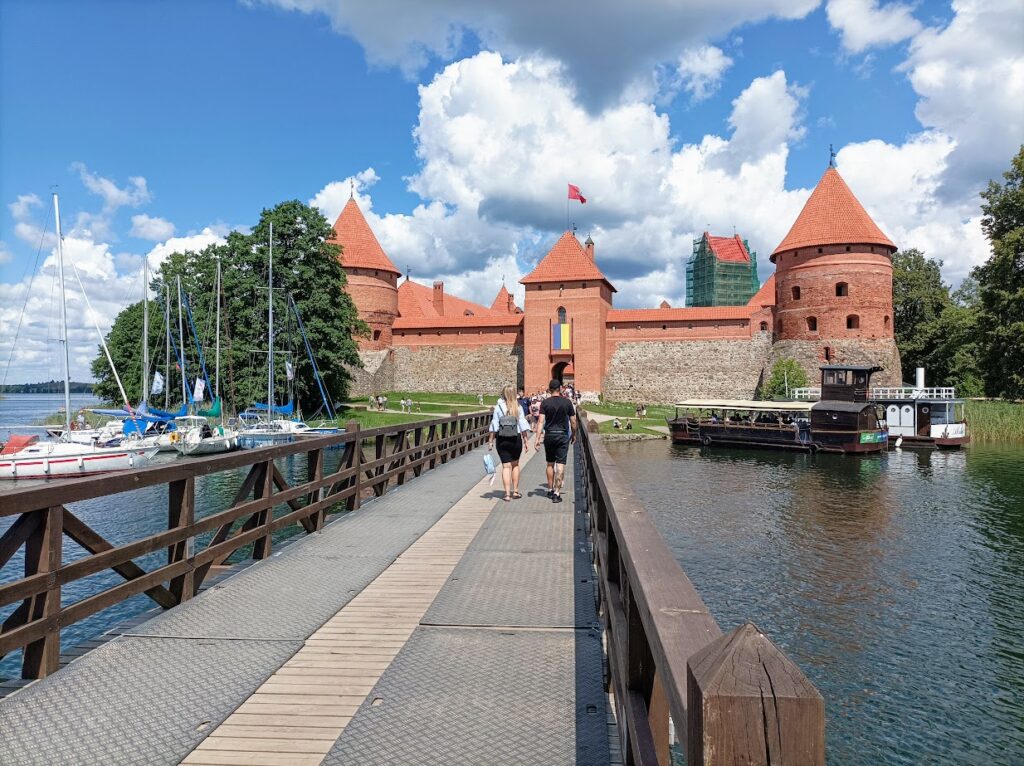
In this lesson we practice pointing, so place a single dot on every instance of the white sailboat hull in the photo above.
(52, 460)
(211, 445)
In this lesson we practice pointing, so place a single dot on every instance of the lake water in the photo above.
(120, 519)
(896, 582)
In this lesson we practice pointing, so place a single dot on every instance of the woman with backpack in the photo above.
(509, 431)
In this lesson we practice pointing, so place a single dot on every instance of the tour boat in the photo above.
(844, 422)
(195, 436)
(916, 416)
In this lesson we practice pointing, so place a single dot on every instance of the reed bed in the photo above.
(992, 421)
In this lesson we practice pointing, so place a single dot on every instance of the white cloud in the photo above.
(22, 207)
(332, 198)
(970, 79)
(190, 242)
(114, 196)
(764, 117)
(5, 254)
(864, 24)
(604, 45)
(151, 227)
(700, 71)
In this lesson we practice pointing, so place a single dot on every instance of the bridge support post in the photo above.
(43, 554)
(748, 703)
(181, 513)
(264, 488)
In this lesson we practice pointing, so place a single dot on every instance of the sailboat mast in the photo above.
(145, 328)
(216, 380)
(270, 324)
(167, 340)
(63, 318)
(181, 338)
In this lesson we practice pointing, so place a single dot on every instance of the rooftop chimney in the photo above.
(511, 304)
(439, 298)
(590, 247)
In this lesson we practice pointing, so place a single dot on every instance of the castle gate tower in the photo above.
(833, 286)
(566, 307)
(372, 277)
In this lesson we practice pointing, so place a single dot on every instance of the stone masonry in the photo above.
(460, 369)
(669, 371)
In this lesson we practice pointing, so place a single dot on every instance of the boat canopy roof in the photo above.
(831, 405)
(18, 442)
(852, 367)
(190, 420)
(745, 405)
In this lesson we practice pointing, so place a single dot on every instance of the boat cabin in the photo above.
(847, 382)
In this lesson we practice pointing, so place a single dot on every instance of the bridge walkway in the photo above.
(436, 624)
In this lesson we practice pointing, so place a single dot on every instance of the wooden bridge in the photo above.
(429, 623)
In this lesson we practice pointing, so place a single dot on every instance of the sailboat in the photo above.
(26, 457)
(195, 435)
(271, 430)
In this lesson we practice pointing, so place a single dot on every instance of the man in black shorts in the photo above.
(556, 427)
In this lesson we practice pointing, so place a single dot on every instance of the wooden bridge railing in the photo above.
(43, 518)
(734, 698)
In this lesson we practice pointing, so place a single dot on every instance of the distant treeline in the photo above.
(49, 387)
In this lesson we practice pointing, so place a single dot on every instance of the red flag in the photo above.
(574, 193)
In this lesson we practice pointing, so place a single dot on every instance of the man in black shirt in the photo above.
(556, 427)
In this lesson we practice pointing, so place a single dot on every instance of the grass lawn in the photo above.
(655, 412)
(434, 397)
(606, 428)
(367, 419)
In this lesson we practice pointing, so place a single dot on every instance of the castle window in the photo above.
(376, 334)
(885, 322)
(663, 327)
(764, 327)
(853, 322)
(820, 250)
(584, 285)
(468, 312)
(828, 354)
(812, 324)
(847, 248)
(842, 289)
(561, 315)
(796, 293)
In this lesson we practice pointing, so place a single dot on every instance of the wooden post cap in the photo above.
(748, 703)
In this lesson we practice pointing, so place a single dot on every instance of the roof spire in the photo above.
(831, 157)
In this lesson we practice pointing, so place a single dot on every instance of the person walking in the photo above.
(556, 427)
(510, 432)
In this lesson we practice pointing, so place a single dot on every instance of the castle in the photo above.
(829, 300)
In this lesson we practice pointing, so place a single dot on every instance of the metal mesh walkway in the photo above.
(151, 697)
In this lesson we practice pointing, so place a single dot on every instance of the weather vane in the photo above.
(831, 157)
(351, 188)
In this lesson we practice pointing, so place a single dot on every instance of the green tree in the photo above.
(786, 375)
(307, 270)
(919, 297)
(125, 343)
(1001, 285)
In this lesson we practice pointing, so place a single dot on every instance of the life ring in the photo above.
(705, 440)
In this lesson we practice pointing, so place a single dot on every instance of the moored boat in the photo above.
(195, 436)
(843, 422)
(27, 457)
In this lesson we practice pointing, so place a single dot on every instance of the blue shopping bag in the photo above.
(489, 464)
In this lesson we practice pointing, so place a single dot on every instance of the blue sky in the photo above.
(462, 122)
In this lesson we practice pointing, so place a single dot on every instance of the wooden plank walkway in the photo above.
(295, 717)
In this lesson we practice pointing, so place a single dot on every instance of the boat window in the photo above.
(812, 324)
(860, 380)
(842, 289)
(835, 377)
(796, 293)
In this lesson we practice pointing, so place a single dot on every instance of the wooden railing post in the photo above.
(355, 461)
(43, 554)
(181, 513)
(261, 547)
(315, 472)
(748, 703)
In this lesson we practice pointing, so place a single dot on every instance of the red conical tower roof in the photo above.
(832, 216)
(503, 301)
(566, 260)
(359, 247)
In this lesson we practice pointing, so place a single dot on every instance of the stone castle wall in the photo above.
(810, 355)
(668, 371)
(463, 369)
(376, 375)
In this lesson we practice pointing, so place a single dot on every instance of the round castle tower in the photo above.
(833, 286)
(372, 277)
